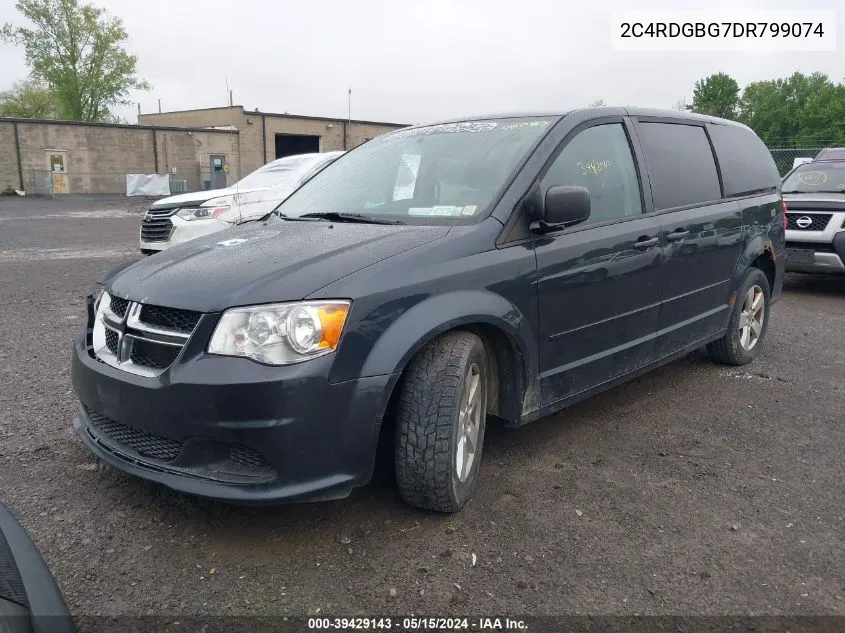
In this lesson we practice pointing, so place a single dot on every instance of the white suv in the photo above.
(188, 216)
(814, 194)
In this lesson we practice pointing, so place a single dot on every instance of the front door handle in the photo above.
(677, 235)
(644, 243)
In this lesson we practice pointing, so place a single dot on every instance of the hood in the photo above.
(276, 261)
(811, 201)
(196, 198)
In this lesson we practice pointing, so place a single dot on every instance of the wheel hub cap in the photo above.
(752, 317)
(469, 422)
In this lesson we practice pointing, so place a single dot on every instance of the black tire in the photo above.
(427, 422)
(729, 349)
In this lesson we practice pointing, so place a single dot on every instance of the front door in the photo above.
(599, 282)
(57, 161)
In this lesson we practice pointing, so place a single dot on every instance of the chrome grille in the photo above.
(112, 340)
(141, 339)
(818, 221)
(173, 318)
(148, 354)
(156, 225)
(118, 306)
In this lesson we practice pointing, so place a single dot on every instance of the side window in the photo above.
(746, 163)
(680, 164)
(599, 158)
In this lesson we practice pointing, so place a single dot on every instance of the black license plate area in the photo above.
(801, 255)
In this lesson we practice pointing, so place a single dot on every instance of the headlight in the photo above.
(202, 213)
(215, 208)
(280, 333)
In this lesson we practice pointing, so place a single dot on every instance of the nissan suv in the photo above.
(814, 194)
(428, 281)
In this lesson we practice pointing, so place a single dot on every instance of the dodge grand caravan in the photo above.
(535, 261)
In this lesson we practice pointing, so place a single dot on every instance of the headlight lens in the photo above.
(202, 213)
(280, 333)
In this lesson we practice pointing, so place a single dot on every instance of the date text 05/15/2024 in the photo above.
(414, 623)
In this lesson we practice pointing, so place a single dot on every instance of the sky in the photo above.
(416, 61)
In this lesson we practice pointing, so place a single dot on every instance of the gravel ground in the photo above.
(697, 489)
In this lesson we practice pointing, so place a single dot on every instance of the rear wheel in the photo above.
(749, 322)
(440, 422)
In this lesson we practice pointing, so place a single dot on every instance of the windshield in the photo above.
(816, 177)
(283, 172)
(439, 173)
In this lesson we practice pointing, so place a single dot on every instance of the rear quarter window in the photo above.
(747, 165)
(680, 164)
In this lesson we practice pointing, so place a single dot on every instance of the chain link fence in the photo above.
(785, 156)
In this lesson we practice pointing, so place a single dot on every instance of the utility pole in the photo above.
(348, 120)
(159, 106)
(231, 102)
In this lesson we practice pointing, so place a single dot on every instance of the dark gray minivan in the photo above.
(430, 280)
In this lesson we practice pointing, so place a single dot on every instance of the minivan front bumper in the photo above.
(231, 429)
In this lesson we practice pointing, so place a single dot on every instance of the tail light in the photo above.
(784, 209)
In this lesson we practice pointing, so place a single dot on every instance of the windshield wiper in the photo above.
(817, 191)
(335, 216)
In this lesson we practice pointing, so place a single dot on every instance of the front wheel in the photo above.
(440, 422)
(749, 322)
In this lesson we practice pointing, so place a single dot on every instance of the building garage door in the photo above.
(290, 144)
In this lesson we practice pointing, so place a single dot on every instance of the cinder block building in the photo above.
(265, 136)
(199, 149)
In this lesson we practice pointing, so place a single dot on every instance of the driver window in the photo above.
(599, 158)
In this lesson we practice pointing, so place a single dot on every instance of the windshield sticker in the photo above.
(594, 167)
(441, 210)
(812, 178)
(447, 128)
(469, 209)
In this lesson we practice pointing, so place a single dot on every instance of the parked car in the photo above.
(186, 216)
(814, 194)
(30, 600)
(266, 366)
(831, 153)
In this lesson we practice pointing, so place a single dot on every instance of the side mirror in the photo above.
(566, 205)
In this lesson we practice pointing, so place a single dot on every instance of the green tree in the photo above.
(716, 95)
(29, 100)
(77, 51)
(597, 103)
(800, 111)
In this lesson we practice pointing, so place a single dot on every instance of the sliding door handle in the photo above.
(644, 243)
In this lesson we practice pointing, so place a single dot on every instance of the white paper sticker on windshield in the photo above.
(440, 210)
(469, 209)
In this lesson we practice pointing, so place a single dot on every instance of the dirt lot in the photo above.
(698, 489)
